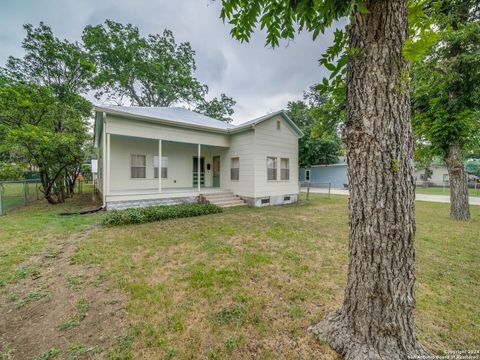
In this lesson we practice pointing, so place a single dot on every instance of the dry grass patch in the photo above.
(242, 284)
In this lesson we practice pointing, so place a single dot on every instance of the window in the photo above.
(235, 169)
(284, 169)
(279, 124)
(138, 169)
(164, 167)
(271, 168)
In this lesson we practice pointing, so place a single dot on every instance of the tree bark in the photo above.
(459, 207)
(376, 320)
(426, 176)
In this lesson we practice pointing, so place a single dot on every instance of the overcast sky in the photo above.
(259, 78)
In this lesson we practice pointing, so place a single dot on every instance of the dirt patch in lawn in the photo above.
(60, 308)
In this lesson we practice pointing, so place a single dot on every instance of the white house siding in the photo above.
(180, 163)
(241, 146)
(439, 176)
(270, 142)
(138, 128)
(121, 149)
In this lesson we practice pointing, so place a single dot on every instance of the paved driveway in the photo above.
(419, 197)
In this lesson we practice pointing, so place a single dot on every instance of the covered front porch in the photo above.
(147, 169)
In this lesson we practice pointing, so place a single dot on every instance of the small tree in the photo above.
(64, 70)
(445, 93)
(48, 132)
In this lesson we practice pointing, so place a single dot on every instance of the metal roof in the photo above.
(175, 114)
(182, 116)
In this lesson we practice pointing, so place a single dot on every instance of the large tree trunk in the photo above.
(426, 176)
(376, 319)
(459, 209)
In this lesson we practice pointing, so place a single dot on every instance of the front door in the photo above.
(216, 171)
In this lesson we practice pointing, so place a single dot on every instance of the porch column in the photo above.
(198, 168)
(104, 158)
(107, 172)
(159, 165)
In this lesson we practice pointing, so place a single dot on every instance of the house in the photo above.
(438, 175)
(337, 176)
(157, 155)
(322, 175)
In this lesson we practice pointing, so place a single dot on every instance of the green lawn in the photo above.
(30, 229)
(443, 191)
(248, 282)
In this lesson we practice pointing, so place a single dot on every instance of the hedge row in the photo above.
(156, 213)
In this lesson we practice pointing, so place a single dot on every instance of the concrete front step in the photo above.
(225, 199)
(219, 195)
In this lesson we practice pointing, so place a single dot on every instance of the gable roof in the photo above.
(261, 119)
(184, 117)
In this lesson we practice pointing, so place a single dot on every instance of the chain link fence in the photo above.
(14, 194)
(306, 187)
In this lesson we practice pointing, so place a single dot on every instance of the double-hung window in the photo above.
(235, 168)
(284, 169)
(271, 168)
(138, 166)
(164, 167)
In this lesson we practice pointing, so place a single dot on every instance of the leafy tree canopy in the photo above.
(218, 108)
(59, 64)
(314, 148)
(45, 131)
(149, 71)
(446, 83)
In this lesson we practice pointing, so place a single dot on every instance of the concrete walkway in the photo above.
(419, 197)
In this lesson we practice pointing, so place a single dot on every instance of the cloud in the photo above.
(259, 78)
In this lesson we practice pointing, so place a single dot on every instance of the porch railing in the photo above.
(195, 178)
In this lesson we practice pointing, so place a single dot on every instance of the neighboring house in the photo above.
(158, 155)
(336, 175)
(438, 177)
(322, 175)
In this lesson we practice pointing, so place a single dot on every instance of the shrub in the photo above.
(156, 213)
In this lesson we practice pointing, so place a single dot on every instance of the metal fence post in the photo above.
(1, 201)
(36, 189)
(25, 192)
(329, 185)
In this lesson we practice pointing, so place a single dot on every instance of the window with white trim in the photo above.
(138, 166)
(284, 169)
(271, 168)
(235, 168)
(164, 167)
